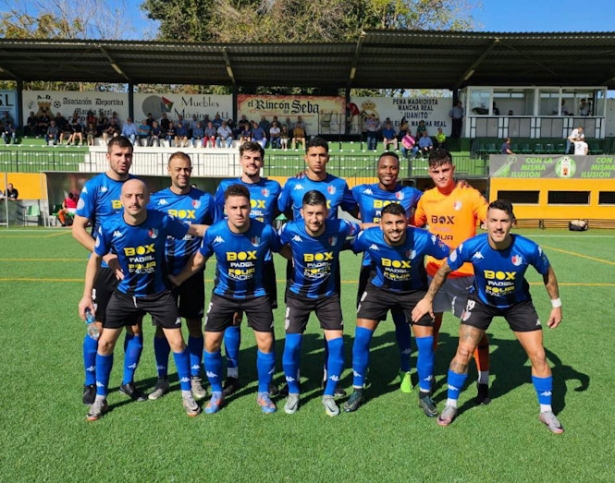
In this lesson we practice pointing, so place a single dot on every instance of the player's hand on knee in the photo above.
(423, 307)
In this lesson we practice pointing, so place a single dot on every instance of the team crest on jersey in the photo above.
(80, 204)
(265, 192)
(255, 240)
(196, 204)
(517, 260)
(103, 189)
(457, 205)
(153, 233)
(453, 256)
(333, 241)
(331, 190)
(410, 254)
(399, 195)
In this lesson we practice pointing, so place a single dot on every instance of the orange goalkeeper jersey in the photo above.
(453, 218)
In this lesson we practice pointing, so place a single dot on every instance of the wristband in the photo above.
(555, 303)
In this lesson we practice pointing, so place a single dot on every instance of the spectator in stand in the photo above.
(440, 139)
(425, 143)
(181, 134)
(506, 147)
(150, 120)
(198, 134)
(11, 192)
(584, 108)
(164, 122)
(388, 136)
(274, 135)
(299, 135)
(265, 126)
(211, 133)
(91, 134)
(258, 135)
(102, 123)
(284, 137)
(225, 136)
(129, 130)
(66, 132)
(155, 134)
(193, 126)
(576, 135)
(52, 134)
(112, 131)
(90, 118)
(421, 128)
(581, 148)
(246, 134)
(69, 206)
(77, 129)
(170, 133)
(143, 132)
(456, 114)
(217, 122)
(9, 133)
(372, 128)
(496, 111)
(563, 108)
(408, 145)
(116, 119)
(30, 129)
(243, 122)
(43, 123)
(60, 121)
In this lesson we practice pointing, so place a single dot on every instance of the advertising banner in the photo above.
(185, 104)
(320, 114)
(8, 103)
(551, 166)
(66, 103)
(433, 110)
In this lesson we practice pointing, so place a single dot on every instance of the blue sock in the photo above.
(455, 384)
(161, 352)
(360, 356)
(425, 362)
(195, 348)
(104, 364)
(182, 362)
(291, 361)
(90, 346)
(402, 334)
(213, 369)
(265, 364)
(544, 388)
(133, 345)
(335, 364)
(232, 340)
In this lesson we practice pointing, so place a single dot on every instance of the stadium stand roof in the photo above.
(379, 59)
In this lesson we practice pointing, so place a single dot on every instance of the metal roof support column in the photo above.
(131, 101)
(19, 120)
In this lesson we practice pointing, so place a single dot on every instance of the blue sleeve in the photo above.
(275, 244)
(437, 249)
(284, 236)
(457, 257)
(206, 249)
(348, 202)
(86, 206)
(174, 227)
(101, 245)
(540, 261)
(219, 196)
(285, 200)
(359, 244)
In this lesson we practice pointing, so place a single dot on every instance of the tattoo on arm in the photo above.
(438, 280)
(550, 281)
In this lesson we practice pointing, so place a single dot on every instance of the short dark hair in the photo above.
(251, 146)
(386, 154)
(503, 205)
(438, 157)
(236, 190)
(394, 209)
(119, 141)
(314, 198)
(180, 155)
(317, 142)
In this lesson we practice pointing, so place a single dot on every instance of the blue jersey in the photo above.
(400, 268)
(263, 197)
(100, 200)
(335, 190)
(196, 206)
(240, 258)
(316, 259)
(499, 279)
(140, 250)
(371, 199)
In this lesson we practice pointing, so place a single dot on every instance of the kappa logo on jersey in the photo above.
(218, 239)
(333, 241)
(117, 234)
(517, 260)
(140, 250)
(153, 233)
(104, 189)
(492, 275)
(162, 202)
(265, 192)
(318, 257)
(196, 204)
(258, 204)
(255, 240)
(299, 187)
(457, 205)
(297, 238)
(368, 191)
(374, 247)
(442, 220)
(331, 190)
(478, 256)
(84, 190)
(183, 214)
(388, 262)
(241, 256)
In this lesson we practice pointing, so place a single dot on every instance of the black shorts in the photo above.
(191, 297)
(271, 283)
(104, 286)
(521, 317)
(125, 309)
(298, 309)
(221, 310)
(376, 303)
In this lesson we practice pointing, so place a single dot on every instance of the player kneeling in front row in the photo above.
(399, 281)
(138, 236)
(240, 245)
(500, 261)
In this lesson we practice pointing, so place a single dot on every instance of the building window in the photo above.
(606, 198)
(520, 197)
(568, 198)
